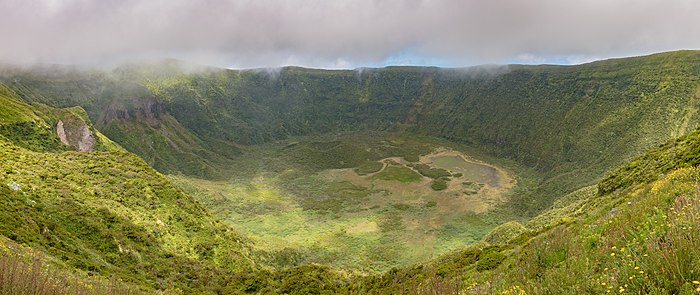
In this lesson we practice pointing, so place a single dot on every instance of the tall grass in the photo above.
(25, 272)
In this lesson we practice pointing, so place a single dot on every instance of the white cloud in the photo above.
(340, 33)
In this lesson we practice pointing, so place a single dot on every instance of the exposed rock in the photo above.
(78, 136)
(140, 107)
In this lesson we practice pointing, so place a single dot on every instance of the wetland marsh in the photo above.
(358, 201)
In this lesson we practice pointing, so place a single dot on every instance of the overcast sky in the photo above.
(343, 33)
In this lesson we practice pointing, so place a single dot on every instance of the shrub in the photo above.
(490, 259)
(503, 233)
(439, 184)
(433, 173)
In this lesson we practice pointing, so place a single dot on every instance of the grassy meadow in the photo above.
(302, 203)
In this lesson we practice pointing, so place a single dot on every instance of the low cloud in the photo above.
(340, 33)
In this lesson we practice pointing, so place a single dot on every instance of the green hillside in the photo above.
(107, 212)
(483, 180)
(569, 123)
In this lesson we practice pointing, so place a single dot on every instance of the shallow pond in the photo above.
(473, 171)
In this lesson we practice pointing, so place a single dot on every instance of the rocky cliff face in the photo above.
(76, 135)
(141, 107)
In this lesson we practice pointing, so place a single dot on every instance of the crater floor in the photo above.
(361, 201)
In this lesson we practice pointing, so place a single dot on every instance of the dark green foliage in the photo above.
(431, 172)
(369, 168)
(333, 154)
(308, 279)
(439, 184)
(31, 136)
(457, 262)
(489, 259)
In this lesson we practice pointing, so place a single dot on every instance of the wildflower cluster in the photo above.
(515, 290)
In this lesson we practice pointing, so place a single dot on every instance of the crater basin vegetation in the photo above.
(363, 201)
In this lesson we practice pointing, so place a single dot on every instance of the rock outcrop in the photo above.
(77, 136)
(140, 107)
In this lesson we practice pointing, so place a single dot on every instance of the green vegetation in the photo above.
(638, 241)
(573, 123)
(22, 126)
(297, 213)
(369, 168)
(398, 173)
(439, 184)
(677, 153)
(117, 217)
(503, 233)
(23, 271)
(109, 214)
(431, 172)
(279, 156)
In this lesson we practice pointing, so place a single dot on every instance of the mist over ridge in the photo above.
(346, 34)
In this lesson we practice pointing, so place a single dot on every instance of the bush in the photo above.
(433, 173)
(439, 184)
(503, 233)
(489, 260)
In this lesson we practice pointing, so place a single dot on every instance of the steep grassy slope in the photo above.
(142, 126)
(108, 213)
(126, 111)
(24, 127)
(570, 123)
(24, 270)
(639, 239)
